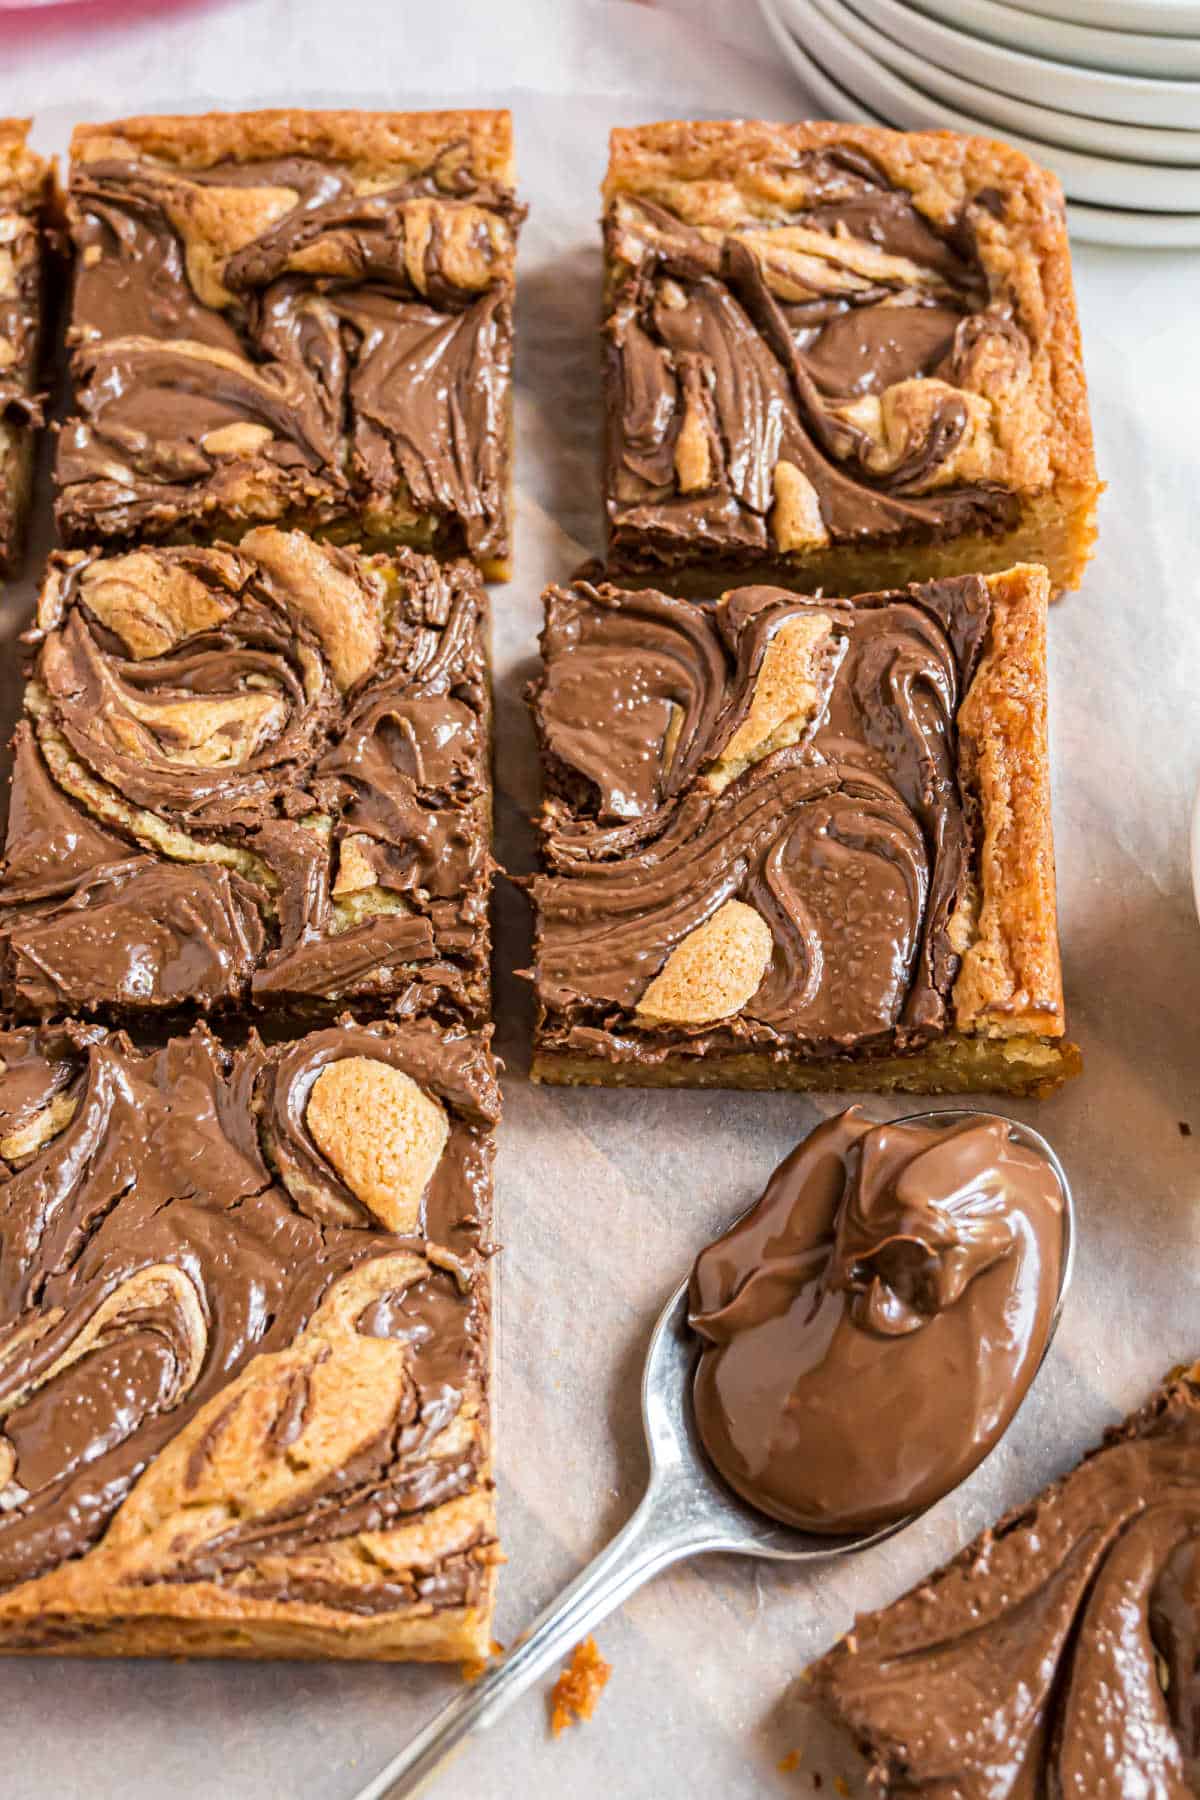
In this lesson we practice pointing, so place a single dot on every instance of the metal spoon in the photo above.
(686, 1511)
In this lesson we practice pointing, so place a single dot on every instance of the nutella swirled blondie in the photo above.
(244, 1326)
(25, 179)
(302, 318)
(1057, 1654)
(840, 355)
(251, 776)
(792, 841)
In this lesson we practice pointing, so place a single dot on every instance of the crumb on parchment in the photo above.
(579, 1687)
(787, 1765)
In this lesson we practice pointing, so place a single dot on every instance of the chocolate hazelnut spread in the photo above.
(794, 754)
(1056, 1658)
(847, 342)
(284, 339)
(176, 1219)
(873, 1323)
(252, 772)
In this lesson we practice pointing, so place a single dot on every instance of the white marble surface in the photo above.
(605, 1197)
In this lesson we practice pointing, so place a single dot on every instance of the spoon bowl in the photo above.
(687, 1510)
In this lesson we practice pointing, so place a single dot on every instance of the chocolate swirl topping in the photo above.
(187, 1276)
(826, 375)
(1058, 1654)
(260, 772)
(289, 339)
(754, 832)
(871, 1326)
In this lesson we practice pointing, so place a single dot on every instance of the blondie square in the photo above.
(1057, 1653)
(841, 356)
(793, 841)
(302, 318)
(244, 1339)
(254, 776)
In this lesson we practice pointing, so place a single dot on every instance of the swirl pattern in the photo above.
(297, 337)
(1057, 1654)
(259, 772)
(207, 1335)
(796, 756)
(803, 352)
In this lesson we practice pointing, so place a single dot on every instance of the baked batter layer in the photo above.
(798, 842)
(244, 1344)
(840, 356)
(301, 318)
(251, 777)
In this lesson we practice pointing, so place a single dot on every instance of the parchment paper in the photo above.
(605, 1197)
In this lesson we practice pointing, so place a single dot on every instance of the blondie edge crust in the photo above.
(251, 777)
(244, 1396)
(292, 317)
(798, 842)
(840, 355)
(25, 180)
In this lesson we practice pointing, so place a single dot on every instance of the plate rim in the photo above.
(1109, 227)
(1087, 91)
(1187, 12)
(843, 23)
(1189, 156)
(1080, 43)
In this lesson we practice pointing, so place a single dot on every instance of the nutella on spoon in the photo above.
(872, 1325)
(686, 1510)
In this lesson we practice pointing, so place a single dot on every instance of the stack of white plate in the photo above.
(1104, 92)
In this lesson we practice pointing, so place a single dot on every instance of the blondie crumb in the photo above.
(575, 1694)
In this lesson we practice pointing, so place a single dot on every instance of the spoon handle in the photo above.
(651, 1541)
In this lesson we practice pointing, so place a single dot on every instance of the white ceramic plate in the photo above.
(1134, 230)
(1089, 224)
(1094, 137)
(848, 49)
(1121, 52)
(1168, 17)
(1133, 99)
(834, 101)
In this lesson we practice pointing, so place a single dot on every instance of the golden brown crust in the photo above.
(1010, 982)
(1056, 529)
(723, 173)
(24, 175)
(403, 142)
(1028, 1066)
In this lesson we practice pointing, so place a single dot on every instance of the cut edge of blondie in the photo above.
(1023, 1065)
(1056, 528)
